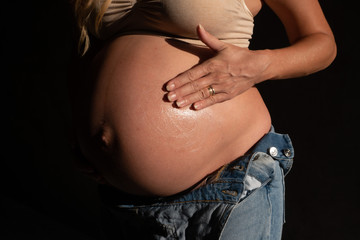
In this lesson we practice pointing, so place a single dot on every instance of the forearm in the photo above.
(305, 56)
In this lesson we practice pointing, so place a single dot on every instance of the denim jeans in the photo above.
(243, 200)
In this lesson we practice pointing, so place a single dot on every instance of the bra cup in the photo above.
(229, 20)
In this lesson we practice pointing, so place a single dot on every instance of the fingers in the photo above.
(211, 41)
(215, 88)
(218, 98)
(190, 76)
(192, 86)
(202, 69)
(207, 96)
(202, 94)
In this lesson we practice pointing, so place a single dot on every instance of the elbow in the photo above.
(334, 52)
(331, 52)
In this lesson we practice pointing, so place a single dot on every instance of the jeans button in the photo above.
(273, 151)
(287, 152)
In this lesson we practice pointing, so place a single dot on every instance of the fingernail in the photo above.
(171, 96)
(197, 106)
(180, 103)
(170, 87)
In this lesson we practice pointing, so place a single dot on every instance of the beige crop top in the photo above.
(229, 20)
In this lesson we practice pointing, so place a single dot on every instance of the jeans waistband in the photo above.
(278, 146)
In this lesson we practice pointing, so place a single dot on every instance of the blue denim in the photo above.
(242, 200)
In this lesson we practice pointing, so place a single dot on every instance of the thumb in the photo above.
(211, 41)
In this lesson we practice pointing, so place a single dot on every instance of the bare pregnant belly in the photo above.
(141, 143)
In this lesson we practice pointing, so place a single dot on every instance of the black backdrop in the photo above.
(42, 194)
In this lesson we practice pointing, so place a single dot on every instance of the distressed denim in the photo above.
(243, 200)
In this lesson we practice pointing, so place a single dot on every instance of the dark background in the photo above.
(43, 196)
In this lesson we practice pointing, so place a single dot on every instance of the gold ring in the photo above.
(211, 90)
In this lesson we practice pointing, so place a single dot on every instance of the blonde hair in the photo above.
(84, 14)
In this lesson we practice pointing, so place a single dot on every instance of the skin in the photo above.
(233, 70)
(144, 145)
(134, 139)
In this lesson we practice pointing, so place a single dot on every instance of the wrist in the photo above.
(266, 57)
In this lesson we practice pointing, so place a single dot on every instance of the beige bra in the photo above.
(229, 20)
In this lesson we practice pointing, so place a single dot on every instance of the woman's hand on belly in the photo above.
(232, 71)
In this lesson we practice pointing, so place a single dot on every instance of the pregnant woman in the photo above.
(167, 114)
